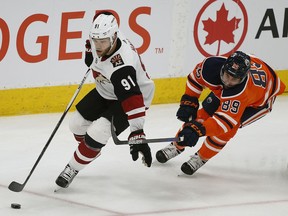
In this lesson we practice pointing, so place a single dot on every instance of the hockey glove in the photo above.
(191, 132)
(188, 108)
(144, 149)
(88, 54)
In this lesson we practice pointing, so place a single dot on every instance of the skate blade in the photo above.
(58, 188)
(183, 175)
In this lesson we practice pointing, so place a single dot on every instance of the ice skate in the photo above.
(66, 177)
(192, 165)
(167, 153)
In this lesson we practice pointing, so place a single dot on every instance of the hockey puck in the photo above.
(15, 206)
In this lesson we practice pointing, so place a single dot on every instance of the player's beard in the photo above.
(104, 52)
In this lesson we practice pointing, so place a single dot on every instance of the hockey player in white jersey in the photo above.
(123, 90)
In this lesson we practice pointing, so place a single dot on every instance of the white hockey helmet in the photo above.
(104, 26)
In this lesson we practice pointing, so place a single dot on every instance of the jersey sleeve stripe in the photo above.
(223, 120)
(259, 115)
(278, 87)
(232, 120)
(220, 124)
(266, 96)
(274, 78)
(133, 103)
(191, 88)
(136, 113)
(191, 80)
(134, 108)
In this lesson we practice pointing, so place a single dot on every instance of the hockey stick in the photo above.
(17, 187)
(156, 140)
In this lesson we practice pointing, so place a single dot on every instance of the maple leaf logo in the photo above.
(221, 29)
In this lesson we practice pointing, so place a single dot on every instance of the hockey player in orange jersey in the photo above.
(243, 90)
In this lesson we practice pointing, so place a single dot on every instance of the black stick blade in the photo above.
(15, 186)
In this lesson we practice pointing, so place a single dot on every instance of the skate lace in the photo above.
(171, 151)
(195, 162)
(69, 173)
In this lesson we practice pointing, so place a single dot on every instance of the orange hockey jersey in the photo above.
(261, 85)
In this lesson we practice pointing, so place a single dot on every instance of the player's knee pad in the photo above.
(78, 125)
(98, 133)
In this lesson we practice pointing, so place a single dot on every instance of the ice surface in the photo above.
(249, 176)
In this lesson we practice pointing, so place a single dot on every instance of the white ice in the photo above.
(249, 177)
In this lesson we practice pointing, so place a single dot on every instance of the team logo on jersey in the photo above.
(209, 100)
(99, 78)
(117, 60)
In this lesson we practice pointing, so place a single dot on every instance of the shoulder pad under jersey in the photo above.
(211, 69)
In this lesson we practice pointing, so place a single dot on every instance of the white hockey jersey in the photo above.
(122, 76)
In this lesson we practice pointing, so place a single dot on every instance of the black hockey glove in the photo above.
(88, 54)
(188, 108)
(144, 149)
(191, 132)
